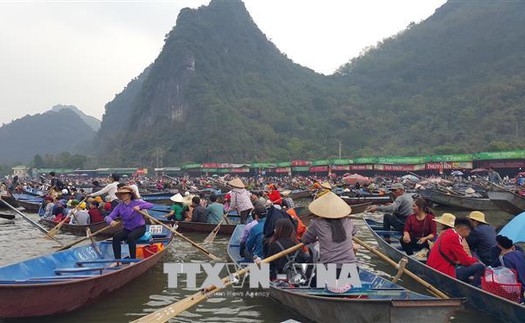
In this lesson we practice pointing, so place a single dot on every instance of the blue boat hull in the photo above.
(499, 307)
(67, 280)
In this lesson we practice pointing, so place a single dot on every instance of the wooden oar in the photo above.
(168, 312)
(33, 223)
(57, 227)
(428, 286)
(197, 246)
(83, 239)
(213, 234)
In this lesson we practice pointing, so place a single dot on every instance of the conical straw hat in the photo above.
(326, 185)
(177, 198)
(478, 216)
(330, 206)
(236, 182)
(447, 219)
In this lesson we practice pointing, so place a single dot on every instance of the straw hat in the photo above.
(447, 219)
(236, 182)
(477, 216)
(125, 190)
(177, 198)
(326, 185)
(330, 206)
(470, 190)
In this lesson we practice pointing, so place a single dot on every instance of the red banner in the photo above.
(316, 169)
(301, 163)
(211, 165)
(399, 168)
(341, 167)
(448, 165)
(283, 169)
(240, 170)
(361, 167)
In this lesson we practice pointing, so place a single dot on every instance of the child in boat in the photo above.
(95, 215)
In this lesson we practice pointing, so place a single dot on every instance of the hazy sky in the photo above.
(84, 52)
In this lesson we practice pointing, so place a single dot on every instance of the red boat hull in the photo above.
(26, 300)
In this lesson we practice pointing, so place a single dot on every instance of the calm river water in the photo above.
(19, 241)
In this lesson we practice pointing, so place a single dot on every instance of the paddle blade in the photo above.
(211, 236)
(55, 229)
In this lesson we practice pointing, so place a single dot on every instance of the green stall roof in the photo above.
(513, 154)
(364, 160)
(342, 161)
(322, 162)
(411, 160)
(452, 158)
(191, 166)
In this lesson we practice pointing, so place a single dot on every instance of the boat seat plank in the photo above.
(77, 270)
(61, 277)
(103, 261)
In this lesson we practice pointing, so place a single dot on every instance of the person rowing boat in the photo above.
(134, 225)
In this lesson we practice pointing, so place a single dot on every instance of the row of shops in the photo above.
(506, 162)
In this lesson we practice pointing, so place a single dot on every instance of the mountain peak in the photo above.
(92, 122)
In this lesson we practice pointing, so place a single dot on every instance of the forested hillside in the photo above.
(51, 132)
(453, 83)
(221, 91)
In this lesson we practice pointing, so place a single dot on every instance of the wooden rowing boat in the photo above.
(183, 226)
(80, 229)
(307, 217)
(377, 301)
(67, 280)
(352, 200)
(500, 308)
(458, 201)
(507, 201)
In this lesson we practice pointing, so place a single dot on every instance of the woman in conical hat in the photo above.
(240, 199)
(333, 229)
(177, 209)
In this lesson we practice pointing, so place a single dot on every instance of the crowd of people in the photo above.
(461, 247)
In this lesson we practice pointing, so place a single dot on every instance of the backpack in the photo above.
(293, 276)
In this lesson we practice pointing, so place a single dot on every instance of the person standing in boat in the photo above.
(398, 211)
(419, 228)
(449, 257)
(482, 239)
(110, 190)
(240, 199)
(333, 229)
(133, 223)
